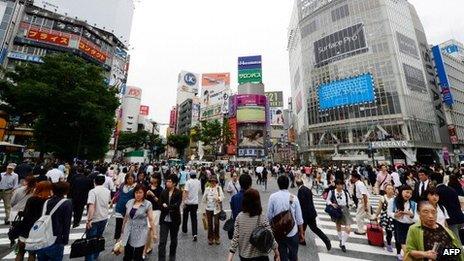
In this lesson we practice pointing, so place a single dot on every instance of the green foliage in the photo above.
(179, 142)
(214, 134)
(72, 108)
(141, 139)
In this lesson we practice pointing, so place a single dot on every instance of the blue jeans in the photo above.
(288, 248)
(51, 253)
(95, 231)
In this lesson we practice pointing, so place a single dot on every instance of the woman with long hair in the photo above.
(21, 195)
(32, 212)
(433, 198)
(246, 221)
(404, 213)
(124, 194)
(212, 203)
(385, 221)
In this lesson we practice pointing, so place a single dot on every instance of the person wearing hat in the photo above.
(212, 206)
(8, 182)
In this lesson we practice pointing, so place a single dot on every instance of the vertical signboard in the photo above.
(173, 118)
(144, 110)
(214, 95)
(442, 76)
(232, 147)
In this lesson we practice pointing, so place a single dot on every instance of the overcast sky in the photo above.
(208, 35)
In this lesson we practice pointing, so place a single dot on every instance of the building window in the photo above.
(340, 12)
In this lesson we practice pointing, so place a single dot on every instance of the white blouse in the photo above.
(340, 197)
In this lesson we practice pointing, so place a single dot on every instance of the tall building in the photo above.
(449, 64)
(130, 110)
(363, 82)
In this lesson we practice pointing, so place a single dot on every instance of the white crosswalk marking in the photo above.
(76, 233)
(357, 245)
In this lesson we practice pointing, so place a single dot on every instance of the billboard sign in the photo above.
(259, 153)
(242, 100)
(276, 99)
(250, 76)
(215, 88)
(350, 91)
(251, 137)
(134, 92)
(173, 118)
(93, 52)
(407, 45)
(251, 114)
(211, 112)
(144, 110)
(452, 48)
(442, 76)
(277, 116)
(188, 82)
(25, 57)
(232, 147)
(340, 45)
(250, 62)
(48, 37)
(414, 78)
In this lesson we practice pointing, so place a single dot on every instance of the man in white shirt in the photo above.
(8, 182)
(55, 175)
(190, 199)
(395, 178)
(362, 195)
(98, 210)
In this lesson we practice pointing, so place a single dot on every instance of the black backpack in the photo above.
(262, 238)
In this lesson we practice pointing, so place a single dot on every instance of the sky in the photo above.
(206, 36)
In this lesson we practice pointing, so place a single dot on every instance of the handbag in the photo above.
(15, 229)
(283, 222)
(205, 222)
(87, 246)
(222, 213)
(335, 213)
(261, 238)
(229, 227)
(118, 248)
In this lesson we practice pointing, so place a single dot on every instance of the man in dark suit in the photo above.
(170, 220)
(421, 186)
(450, 200)
(305, 196)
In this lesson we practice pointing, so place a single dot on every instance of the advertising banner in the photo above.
(134, 92)
(277, 116)
(259, 153)
(442, 76)
(25, 57)
(251, 137)
(211, 112)
(407, 45)
(144, 110)
(251, 114)
(452, 48)
(276, 99)
(249, 62)
(250, 100)
(48, 37)
(173, 118)
(414, 78)
(250, 76)
(351, 91)
(232, 147)
(214, 87)
(340, 45)
(188, 82)
(88, 49)
(195, 113)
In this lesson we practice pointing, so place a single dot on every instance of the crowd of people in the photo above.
(419, 207)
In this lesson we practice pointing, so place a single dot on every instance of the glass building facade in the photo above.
(331, 41)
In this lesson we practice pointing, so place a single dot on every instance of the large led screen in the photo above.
(350, 91)
(251, 114)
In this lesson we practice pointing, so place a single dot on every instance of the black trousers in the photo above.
(192, 210)
(118, 228)
(165, 229)
(78, 209)
(311, 223)
(259, 258)
(133, 253)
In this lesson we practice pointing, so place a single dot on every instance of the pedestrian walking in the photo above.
(61, 222)
(183, 176)
(449, 198)
(80, 185)
(171, 198)
(339, 198)
(428, 240)
(98, 211)
(32, 212)
(154, 195)
(124, 194)
(305, 196)
(233, 187)
(20, 197)
(280, 202)
(361, 195)
(212, 205)
(236, 201)
(222, 177)
(383, 178)
(403, 211)
(421, 186)
(9, 181)
(433, 198)
(55, 175)
(247, 220)
(138, 221)
(382, 211)
(190, 200)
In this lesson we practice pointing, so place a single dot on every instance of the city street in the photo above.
(357, 246)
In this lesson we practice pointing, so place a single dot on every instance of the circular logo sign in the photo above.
(190, 79)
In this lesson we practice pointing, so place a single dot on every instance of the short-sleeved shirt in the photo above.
(55, 175)
(193, 187)
(361, 189)
(438, 235)
(100, 198)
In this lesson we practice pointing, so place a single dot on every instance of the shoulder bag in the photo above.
(261, 237)
(283, 222)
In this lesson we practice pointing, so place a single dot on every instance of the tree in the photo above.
(179, 142)
(141, 139)
(70, 106)
(214, 134)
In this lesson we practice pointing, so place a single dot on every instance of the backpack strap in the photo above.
(332, 196)
(347, 195)
(57, 206)
(44, 208)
